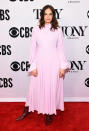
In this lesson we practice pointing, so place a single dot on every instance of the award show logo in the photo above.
(73, 32)
(77, 65)
(23, 32)
(4, 14)
(23, 66)
(87, 82)
(58, 13)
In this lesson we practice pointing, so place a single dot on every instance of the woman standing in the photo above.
(48, 67)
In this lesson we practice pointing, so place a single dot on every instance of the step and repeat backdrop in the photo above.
(17, 18)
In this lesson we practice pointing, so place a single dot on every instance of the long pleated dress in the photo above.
(47, 54)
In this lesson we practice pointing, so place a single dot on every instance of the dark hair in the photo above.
(54, 22)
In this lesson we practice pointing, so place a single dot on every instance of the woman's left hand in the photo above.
(62, 73)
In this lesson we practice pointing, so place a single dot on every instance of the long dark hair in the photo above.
(54, 22)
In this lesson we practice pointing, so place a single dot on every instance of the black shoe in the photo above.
(24, 114)
(48, 119)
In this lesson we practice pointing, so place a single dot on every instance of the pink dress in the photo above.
(47, 54)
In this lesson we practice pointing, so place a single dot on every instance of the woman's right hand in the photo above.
(34, 73)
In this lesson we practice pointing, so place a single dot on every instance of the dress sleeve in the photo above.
(33, 50)
(61, 51)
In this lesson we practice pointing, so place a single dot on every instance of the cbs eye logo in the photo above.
(13, 32)
(87, 49)
(87, 82)
(23, 66)
(88, 13)
(15, 66)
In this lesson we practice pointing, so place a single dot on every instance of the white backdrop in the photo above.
(16, 21)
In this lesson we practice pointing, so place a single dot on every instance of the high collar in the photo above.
(48, 25)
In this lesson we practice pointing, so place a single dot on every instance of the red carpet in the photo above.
(74, 118)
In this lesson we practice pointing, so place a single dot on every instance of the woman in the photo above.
(48, 67)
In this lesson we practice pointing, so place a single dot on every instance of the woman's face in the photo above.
(48, 16)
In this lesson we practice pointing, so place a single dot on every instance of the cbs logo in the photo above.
(23, 66)
(22, 32)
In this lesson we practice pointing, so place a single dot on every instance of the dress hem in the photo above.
(38, 112)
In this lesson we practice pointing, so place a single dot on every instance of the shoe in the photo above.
(48, 119)
(24, 114)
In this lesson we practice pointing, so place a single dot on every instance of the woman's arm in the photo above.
(33, 50)
(61, 52)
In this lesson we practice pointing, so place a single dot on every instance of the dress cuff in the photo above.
(65, 66)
